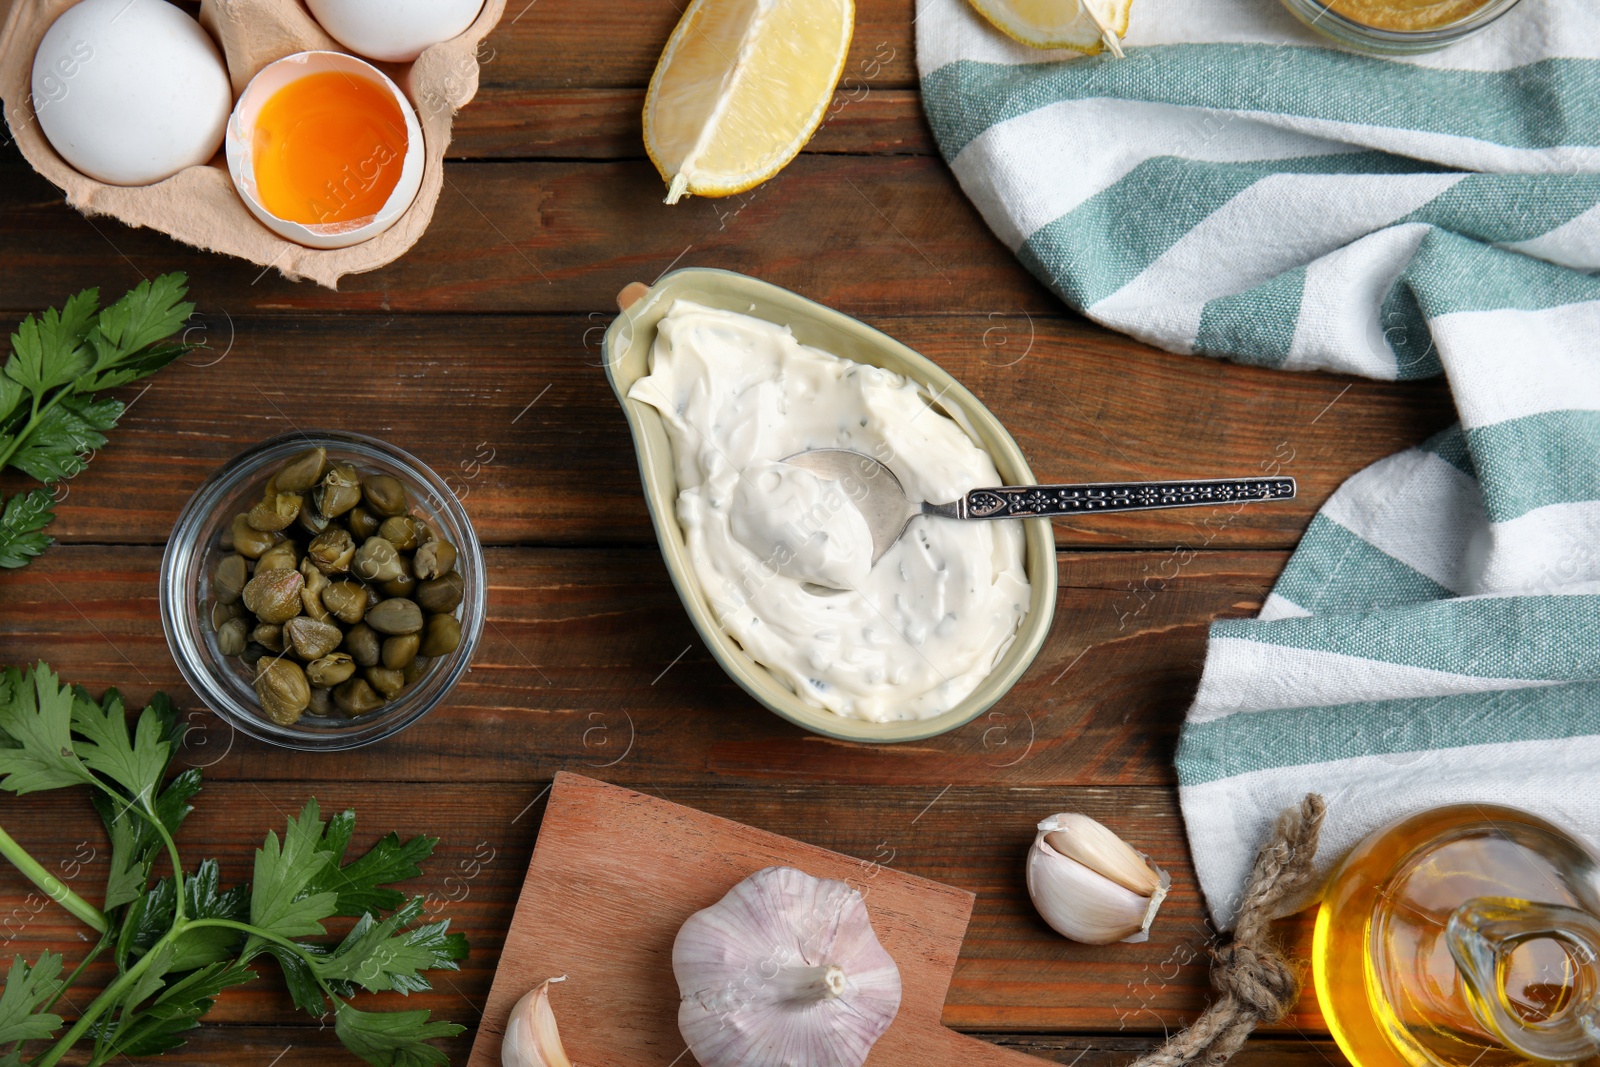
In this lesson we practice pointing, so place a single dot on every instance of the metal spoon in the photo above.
(883, 502)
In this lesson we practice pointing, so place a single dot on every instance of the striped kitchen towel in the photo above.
(1236, 187)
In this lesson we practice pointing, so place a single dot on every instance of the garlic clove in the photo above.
(1091, 844)
(531, 1038)
(1079, 876)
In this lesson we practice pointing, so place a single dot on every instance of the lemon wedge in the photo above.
(740, 88)
(1081, 25)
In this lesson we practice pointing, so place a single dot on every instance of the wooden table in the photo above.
(478, 351)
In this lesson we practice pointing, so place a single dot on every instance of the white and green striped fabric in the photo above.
(1237, 188)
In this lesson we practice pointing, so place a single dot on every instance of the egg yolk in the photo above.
(328, 147)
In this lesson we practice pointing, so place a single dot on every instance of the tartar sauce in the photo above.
(785, 557)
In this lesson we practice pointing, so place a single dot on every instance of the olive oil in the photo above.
(1391, 988)
(328, 148)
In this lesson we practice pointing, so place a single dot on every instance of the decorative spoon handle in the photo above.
(1044, 501)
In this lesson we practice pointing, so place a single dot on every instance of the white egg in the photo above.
(130, 91)
(395, 31)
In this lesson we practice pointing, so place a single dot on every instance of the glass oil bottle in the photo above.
(1465, 936)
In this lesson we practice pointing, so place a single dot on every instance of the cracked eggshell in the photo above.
(241, 163)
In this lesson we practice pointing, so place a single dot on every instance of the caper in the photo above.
(285, 555)
(363, 644)
(384, 494)
(281, 686)
(311, 592)
(441, 636)
(330, 568)
(227, 580)
(312, 639)
(401, 532)
(376, 561)
(385, 681)
(404, 584)
(395, 616)
(434, 559)
(221, 613)
(232, 637)
(440, 595)
(302, 471)
(363, 523)
(356, 697)
(311, 520)
(415, 669)
(250, 542)
(338, 492)
(269, 635)
(332, 550)
(274, 596)
(275, 512)
(330, 670)
(400, 650)
(347, 601)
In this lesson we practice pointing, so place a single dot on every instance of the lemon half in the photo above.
(740, 88)
(1081, 25)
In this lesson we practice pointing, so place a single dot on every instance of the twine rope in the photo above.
(1254, 982)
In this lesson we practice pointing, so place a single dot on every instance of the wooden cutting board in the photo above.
(614, 875)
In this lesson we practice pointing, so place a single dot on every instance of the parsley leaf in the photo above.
(26, 990)
(382, 956)
(36, 720)
(158, 1027)
(25, 515)
(51, 350)
(135, 762)
(361, 885)
(284, 898)
(134, 842)
(151, 917)
(392, 1038)
(130, 861)
(64, 435)
(304, 988)
(49, 419)
(126, 329)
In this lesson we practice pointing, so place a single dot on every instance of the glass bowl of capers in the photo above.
(323, 590)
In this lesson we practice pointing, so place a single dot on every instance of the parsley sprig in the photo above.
(50, 419)
(179, 940)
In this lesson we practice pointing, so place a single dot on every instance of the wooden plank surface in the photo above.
(897, 237)
(514, 122)
(478, 351)
(515, 412)
(589, 663)
(285, 1046)
(1013, 973)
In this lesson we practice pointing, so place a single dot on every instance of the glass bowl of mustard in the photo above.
(1398, 27)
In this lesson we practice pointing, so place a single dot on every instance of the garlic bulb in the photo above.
(1089, 885)
(531, 1039)
(784, 971)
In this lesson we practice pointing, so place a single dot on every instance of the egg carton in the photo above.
(199, 205)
